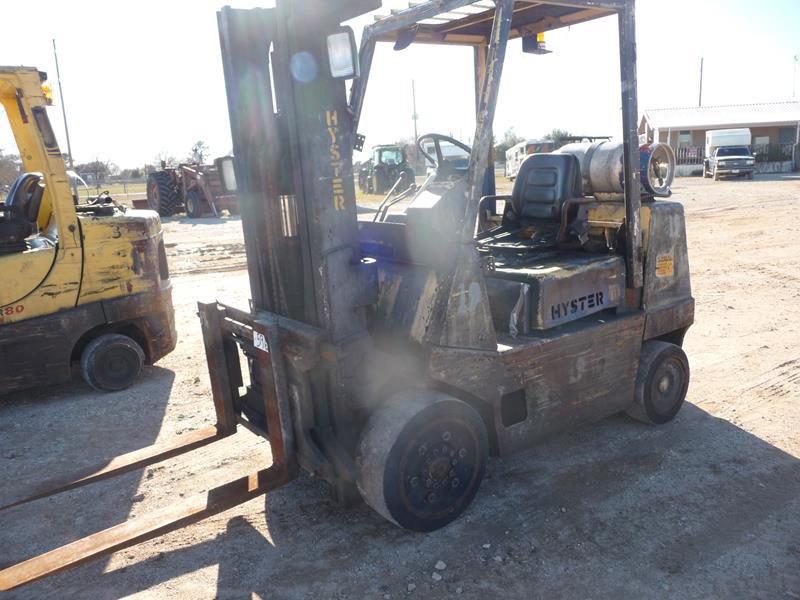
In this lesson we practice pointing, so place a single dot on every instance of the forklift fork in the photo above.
(222, 328)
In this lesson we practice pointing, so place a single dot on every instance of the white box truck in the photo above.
(728, 154)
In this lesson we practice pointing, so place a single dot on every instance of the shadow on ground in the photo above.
(696, 508)
(34, 450)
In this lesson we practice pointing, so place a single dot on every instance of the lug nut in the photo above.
(455, 482)
(446, 436)
(454, 462)
(431, 497)
(462, 453)
(414, 481)
(436, 452)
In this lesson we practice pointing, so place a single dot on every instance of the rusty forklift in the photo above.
(391, 357)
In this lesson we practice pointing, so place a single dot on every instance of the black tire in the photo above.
(111, 362)
(750, 176)
(194, 204)
(421, 459)
(162, 194)
(234, 209)
(661, 383)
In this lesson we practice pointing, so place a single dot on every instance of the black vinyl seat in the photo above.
(19, 212)
(543, 184)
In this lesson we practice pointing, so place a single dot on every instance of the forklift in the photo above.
(85, 286)
(392, 356)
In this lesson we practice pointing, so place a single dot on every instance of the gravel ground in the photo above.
(706, 506)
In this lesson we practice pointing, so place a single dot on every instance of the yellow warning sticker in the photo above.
(665, 265)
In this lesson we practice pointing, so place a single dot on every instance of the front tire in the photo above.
(111, 362)
(194, 204)
(661, 383)
(421, 459)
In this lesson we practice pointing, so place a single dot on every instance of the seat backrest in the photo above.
(25, 196)
(544, 182)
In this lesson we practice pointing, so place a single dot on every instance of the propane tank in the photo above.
(602, 172)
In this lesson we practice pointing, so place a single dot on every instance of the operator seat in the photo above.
(543, 185)
(19, 212)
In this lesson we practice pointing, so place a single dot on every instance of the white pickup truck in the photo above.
(728, 154)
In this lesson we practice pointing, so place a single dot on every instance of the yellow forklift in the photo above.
(85, 286)
(392, 356)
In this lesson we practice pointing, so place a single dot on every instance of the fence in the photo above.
(693, 155)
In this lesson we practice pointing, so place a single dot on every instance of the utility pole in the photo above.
(700, 98)
(796, 58)
(414, 116)
(414, 108)
(63, 108)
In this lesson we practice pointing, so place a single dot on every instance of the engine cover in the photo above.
(550, 290)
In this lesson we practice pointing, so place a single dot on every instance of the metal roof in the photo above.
(469, 22)
(702, 117)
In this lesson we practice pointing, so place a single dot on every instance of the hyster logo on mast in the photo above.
(332, 119)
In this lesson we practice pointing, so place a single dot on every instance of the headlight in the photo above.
(342, 54)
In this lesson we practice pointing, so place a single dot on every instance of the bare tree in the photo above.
(9, 168)
(166, 159)
(199, 152)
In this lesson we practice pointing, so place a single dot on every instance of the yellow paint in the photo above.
(95, 258)
(332, 121)
(665, 265)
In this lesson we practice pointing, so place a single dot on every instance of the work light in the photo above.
(342, 54)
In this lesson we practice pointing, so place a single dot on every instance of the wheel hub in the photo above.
(438, 470)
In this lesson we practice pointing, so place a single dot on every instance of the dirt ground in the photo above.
(707, 506)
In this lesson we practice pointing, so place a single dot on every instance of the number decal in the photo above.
(10, 311)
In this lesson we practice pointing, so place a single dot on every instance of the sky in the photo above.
(145, 78)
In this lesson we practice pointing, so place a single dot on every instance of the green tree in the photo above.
(557, 136)
(510, 138)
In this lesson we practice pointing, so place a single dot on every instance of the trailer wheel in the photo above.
(162, 196)
(661, 383)
(421, 459)
(194, 204)
(111, 362)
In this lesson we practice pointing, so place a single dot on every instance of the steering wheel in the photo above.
(437, 139)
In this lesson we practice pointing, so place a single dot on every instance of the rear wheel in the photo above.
(162, 195)
(194, 203)
(111, 362)
(661, 383)
(421, 459)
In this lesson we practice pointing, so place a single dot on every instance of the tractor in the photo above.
(380, 173)
(192, 188)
